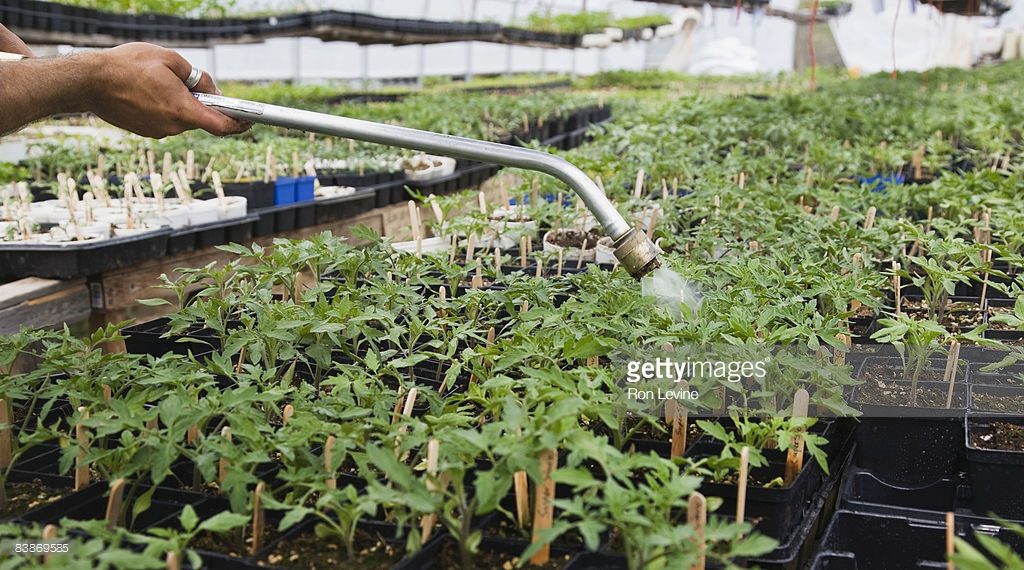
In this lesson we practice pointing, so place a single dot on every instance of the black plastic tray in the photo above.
(73, 260)
(211, 234)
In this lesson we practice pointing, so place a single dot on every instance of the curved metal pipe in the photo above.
(456, 147)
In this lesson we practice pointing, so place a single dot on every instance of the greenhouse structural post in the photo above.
(508, 50)
(469, 45)
(366, 52)
(421, 67)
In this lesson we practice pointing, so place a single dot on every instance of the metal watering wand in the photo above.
(632, 248)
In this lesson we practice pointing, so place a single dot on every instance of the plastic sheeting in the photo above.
(924, 38)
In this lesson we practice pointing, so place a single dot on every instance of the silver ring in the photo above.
(193, 78)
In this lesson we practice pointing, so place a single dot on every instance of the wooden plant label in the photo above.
(114, 503)
(522, 489)
(680, 416)
(897, 286)
(470, 246)
(478, 276)
(167, 164)
(950, 539)
(436, 209)
(5, 436)
(223, 464)
(839, 356)
(82, 436)
(544, 504)
(429, 520)
(172, 561)
(638, 188)
(49, 535)
(332, 481)
(869, 219)
(558, 272)
(697, 517)
(835, 213)
(795, 456)
(522, 252)
(950, 374)
(741, 484)
(287, 414)
(482, 202)
(398, 405)
(258, 520)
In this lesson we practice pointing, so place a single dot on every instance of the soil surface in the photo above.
(230, 543)
(309, 551)
(997, 402)
(1002, 437)
(898, 394)
(574, 238)
(917, 304)
(881, 373)
(995, 326)
(998, 379)
(449, 558)
(23, 497)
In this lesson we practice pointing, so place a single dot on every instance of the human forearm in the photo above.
(33, 89)
(138, 87)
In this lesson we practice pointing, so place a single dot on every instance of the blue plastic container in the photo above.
(304, 188)
(284, 190)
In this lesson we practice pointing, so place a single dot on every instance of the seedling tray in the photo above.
(211, 234)
(73, 260)
(257, 194)
(983, 397)
(147, 338)
(342, 207)
(910, 451)
(794, 552)
(774, 512)
(995, 474)
(91, 503)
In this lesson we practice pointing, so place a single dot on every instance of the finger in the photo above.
(213, 121)
(178, 64)
(207, 85)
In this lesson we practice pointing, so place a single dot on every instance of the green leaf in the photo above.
(223, 521)
(143, 502)
(754, 545)
(154, 302)
(189, 519)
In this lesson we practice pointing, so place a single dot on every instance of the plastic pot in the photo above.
(910, 450)
(999, 331)
(995, 473)
(569, 253)
(865, 492)
(342, 207)
(997, 400)
(78, 259)
(305, 187)
(148, 338)
(91, 504)
(774, 512)
(882, 542)
(284, 190)
(257, 194)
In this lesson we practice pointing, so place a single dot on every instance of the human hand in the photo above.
(141, 87)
